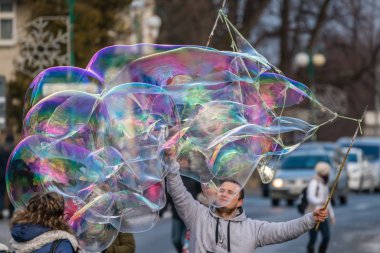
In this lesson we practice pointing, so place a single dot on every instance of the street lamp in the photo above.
(71, 31)
(153, 24)
(146, 23)
(137, 8)
(309, 60)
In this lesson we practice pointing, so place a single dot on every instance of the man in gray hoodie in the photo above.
(227, 229)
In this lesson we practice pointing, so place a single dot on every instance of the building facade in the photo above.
(13, 17)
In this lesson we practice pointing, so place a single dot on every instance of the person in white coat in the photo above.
(317, 194)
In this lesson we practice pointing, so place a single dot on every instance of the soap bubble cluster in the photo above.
(101, 140)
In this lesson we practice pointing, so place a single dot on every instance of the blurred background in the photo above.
(332, 46)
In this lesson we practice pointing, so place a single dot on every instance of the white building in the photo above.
(13, 16)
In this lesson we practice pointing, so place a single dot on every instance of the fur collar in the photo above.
(43, 239)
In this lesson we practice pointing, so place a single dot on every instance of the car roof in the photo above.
(319, 143)
(353, 150)
(302, 152)
(327, 145)
(360, 140)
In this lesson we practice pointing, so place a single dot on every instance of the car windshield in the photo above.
(303, 162)
(370, 152)
(352, 158)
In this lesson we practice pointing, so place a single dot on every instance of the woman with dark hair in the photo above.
(41, 228)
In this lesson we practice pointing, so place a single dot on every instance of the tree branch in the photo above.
(318, 25)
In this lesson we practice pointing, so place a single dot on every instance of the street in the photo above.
(357, 228)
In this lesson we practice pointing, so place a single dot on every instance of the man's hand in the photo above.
(320, 215)
(170, 156)
(171, 153)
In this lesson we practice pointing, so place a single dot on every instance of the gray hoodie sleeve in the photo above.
(185, 204)
(271, 233)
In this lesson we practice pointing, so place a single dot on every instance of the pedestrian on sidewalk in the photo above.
(317, 194)
(40, 228)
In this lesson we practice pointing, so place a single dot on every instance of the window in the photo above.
(7, 22)
(303, 162)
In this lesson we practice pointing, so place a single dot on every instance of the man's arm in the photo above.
(184, 203)
(271, 233)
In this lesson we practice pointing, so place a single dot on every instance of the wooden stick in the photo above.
(342, 165)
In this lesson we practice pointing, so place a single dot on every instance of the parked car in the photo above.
(325, 145)
(371, 151)
(297, 169)
(360, 174)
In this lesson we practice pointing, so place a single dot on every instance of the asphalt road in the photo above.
(357, 228)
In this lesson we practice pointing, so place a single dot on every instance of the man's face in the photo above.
(228, 196)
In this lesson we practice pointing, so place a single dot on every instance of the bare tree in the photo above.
(345, 31)
(189, 22)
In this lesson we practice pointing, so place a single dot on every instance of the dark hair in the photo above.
(184, 156)
(46, 209)
(241, 193)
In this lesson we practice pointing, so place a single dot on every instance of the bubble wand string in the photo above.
(343, 163)
(215, 24)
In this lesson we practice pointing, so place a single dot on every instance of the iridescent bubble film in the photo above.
(99, 136)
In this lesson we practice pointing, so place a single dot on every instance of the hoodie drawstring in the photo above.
(228, 234)
(216, 230)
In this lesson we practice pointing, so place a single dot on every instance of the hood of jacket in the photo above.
(30, 237)
(240, 216)
(26, 232)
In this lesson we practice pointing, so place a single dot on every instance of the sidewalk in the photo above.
(5, 235)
